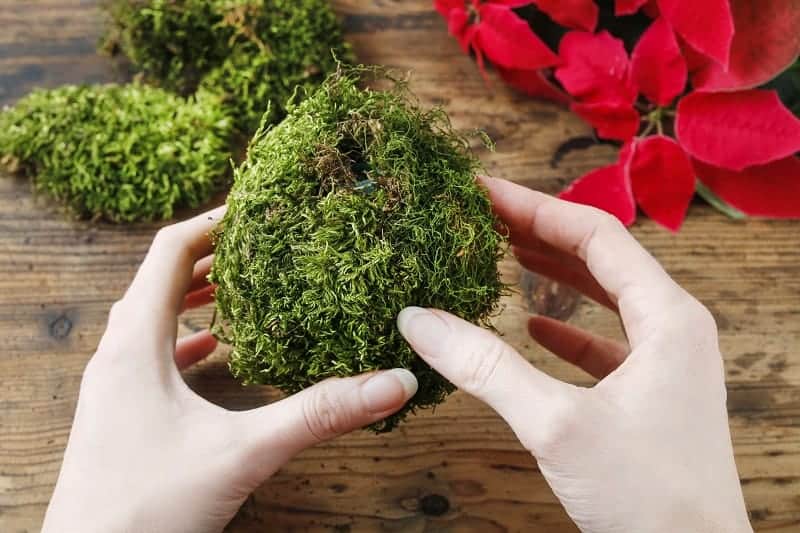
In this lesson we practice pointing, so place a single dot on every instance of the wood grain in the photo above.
(458, 469)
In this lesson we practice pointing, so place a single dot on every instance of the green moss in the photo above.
(172, 42)
(252, 52)
(358, 204)
(120, 153)
(138, 153)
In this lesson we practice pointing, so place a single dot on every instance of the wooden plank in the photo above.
(458, 469)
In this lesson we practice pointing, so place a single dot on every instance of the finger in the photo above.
(166, 273)
(200, 273)
(482, 365)
(536, 245)
(194, 348)
(632, 277)
(199, 298)
(595, 355)
(554, 269)
(516, 221)
(331, 408)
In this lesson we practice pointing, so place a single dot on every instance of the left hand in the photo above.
(146, 453)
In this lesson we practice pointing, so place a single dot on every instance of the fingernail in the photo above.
(389, 389)
(424, 330)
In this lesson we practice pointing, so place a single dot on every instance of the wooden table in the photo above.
(459, 469)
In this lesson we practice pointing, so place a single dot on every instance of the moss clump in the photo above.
(172, 42)
(254, 53)
(355, 206)
(120, 153)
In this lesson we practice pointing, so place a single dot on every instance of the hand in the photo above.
(648, 448)
(146, 454)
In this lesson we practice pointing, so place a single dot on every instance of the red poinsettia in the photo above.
(730, 131)
(684, 103)
(492, 30)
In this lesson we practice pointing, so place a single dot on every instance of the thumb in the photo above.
(330, 408)
(479, 363)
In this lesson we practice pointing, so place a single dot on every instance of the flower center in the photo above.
(472, 11)
(658, 120)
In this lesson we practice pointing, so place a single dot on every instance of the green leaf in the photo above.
(788, 86)
(718, 203)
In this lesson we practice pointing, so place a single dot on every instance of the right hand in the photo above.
(648, 448)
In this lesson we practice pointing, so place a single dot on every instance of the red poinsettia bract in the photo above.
(684, 103)
(491, 30)
(716, 134)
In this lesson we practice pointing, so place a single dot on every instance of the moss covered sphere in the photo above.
(118, 153)
(253, 53)
(357, 205)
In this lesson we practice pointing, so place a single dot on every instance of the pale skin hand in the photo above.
(647, 449)
(146, 453)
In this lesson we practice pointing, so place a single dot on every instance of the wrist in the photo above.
(83, 511)
(702, 516)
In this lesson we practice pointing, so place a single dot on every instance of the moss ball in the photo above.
(119, 153)
(357, 205)
(254, 53)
